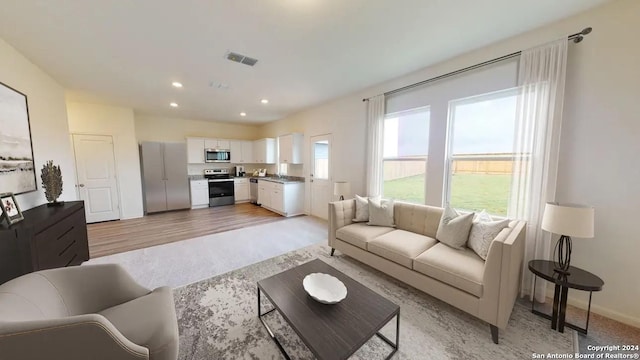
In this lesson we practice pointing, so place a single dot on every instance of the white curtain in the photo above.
(541, 81)
(375, 128)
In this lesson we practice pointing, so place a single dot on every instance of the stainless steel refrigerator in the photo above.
(164, 176)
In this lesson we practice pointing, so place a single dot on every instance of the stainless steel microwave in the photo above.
(217, 156)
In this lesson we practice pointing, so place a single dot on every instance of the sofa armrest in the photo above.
(501, 280)
(90, 289)
(341, 213)
(80, 337)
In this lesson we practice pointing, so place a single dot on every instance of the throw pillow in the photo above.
(381, 212)
(362, 208)
(482, 233)
(453, 229)
(482, 216)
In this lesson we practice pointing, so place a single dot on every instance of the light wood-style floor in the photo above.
(124, 235)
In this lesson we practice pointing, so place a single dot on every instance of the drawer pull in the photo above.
(67, 248)
(65, 233)
(73, 258)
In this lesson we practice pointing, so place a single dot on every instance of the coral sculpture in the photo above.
(51, 181)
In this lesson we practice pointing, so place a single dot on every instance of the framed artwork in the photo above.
(17, 170)
(10, 209)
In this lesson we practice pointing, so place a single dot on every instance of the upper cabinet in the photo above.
(195, 150)
(261, 151)
(217, 144)
(291, 148)
(241, 151)
(247, 152)
(264, 151)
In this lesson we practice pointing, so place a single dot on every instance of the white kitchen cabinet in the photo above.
(195, 150)
(247, 152)
(241, 151)
(284, 199)
(241, 190)
(290, 148)
(277, 200)
(264, 151)
(264, 193)
(235, 146)
(199, 193)
(221, 144)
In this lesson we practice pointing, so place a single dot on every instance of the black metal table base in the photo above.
(558, 316)
(393, 345)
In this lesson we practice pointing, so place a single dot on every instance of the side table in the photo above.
(577, 279)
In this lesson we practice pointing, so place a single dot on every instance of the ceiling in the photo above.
(128, 53)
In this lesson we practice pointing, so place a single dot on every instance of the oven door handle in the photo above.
(221, 180)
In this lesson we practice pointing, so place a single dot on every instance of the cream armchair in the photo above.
(86, 312)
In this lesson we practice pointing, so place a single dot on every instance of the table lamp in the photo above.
(567, 220)
(341, 188)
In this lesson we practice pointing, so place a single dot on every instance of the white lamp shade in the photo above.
(341, 188)
(568, 219)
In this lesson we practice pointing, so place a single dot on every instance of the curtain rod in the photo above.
(576, 38)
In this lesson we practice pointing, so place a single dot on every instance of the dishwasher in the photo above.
(253, 190)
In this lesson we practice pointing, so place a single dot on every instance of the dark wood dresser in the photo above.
(48, 237)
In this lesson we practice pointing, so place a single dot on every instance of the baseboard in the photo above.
(597, 309)
(611, 314)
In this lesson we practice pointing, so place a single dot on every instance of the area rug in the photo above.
(218, 319)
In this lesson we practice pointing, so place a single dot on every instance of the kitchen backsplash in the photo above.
(198, 169)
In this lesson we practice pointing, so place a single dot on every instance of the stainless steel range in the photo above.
(220, 187)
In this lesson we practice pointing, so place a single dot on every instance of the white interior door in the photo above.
(320, 175)
(95, 168)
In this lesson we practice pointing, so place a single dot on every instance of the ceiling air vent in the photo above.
(239, 58)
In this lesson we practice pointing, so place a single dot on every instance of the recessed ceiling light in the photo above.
(243, 114)
(173, 104)
(176, 84)
(264, 101)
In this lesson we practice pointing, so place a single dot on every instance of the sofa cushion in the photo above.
(400, 246)
(358, 234)
(148, 321)
(419, 219)
(462, 269)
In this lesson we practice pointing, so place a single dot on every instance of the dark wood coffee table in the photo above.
(329, 331)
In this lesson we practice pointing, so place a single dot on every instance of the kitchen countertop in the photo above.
(270, 178)
(290, 180)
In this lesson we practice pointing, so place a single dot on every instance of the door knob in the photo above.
(81, 185)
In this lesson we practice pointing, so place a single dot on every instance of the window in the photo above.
(321, 160)
(480, 152)
(405, 149)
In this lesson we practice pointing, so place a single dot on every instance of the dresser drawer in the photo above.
(61, 244)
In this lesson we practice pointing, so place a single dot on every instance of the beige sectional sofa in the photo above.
(410, 253)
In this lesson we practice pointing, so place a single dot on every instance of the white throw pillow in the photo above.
(362, 208)
(482, 216)
(381, 212)
(483, 231)
(453, 229)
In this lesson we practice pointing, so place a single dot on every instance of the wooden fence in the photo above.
(494, 164)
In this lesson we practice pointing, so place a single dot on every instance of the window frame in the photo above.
(424, 157)
(449, 157)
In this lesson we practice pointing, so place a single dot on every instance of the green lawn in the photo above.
(468, 191)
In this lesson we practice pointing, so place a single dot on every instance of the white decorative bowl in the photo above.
(324, 288)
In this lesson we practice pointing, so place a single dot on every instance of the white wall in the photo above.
(155, 128)
(599, 153)
(48, 120)
(599, 149)
(118, 122)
